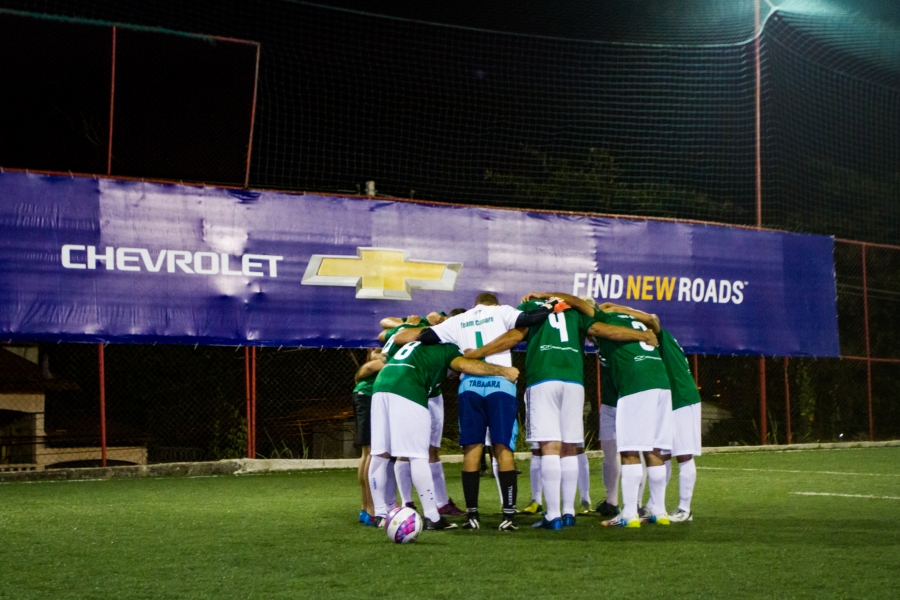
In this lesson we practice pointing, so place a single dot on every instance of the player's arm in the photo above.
(505, 342)
(477, 367)
(622, 334)
(391, 322)
(412, 334)
(368, 369)
(538, 315)
(573, 301)
(651, 321)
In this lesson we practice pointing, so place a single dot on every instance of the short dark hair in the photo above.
(456, 311)
(487, 298)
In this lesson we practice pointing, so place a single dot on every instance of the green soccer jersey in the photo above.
(684, 390)
(608, 394)
(634, 366)
(364, 386)
(556, 346)
(416, 371)
(390, 348)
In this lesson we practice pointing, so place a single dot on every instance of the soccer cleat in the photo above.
(451, 510)
(439, 525)
(662, 519)
(618, 521)
(568, 520)
(532, 509)
(507, 524)
(555, 525)
(411, 505)
(644, 512)
(473, 521)
(681, 516)
(378, 522)
(607, 510)
(366, 519)
(585, 507)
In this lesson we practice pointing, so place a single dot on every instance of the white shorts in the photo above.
(686, 430)
(400, 427)
(644, 421)
(607, 422)
(436, 409)
(554, 412)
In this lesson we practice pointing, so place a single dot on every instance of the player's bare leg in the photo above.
(536, 485)
(362, 474)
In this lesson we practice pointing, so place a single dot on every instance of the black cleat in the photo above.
(378, 522)
(473, 521)
(607, 510)
(411, 505)
(507, 524)
(439, 525)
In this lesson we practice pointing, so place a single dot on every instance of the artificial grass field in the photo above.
(296, 536)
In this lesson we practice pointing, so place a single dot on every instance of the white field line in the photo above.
(846, 495)
(802, 472)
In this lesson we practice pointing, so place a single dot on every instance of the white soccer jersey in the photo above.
(478, 327)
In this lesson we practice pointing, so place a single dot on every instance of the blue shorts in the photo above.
(487, 403)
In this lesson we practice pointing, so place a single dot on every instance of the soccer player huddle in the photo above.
(650, 408)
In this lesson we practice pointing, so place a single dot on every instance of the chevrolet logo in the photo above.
(381, 273)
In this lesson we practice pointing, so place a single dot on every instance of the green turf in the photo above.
(295, 536)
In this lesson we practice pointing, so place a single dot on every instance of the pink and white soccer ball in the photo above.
(403, 525)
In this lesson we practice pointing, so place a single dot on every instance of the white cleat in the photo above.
(681, 516)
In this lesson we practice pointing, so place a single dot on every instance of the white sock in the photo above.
(495, 467)
(390, 487)
(687, 477)
(631, 481)
(657, 477)
(568, 469)
(612, 468)
(643, 487)
(535, 475)
(378, 468)
(584, 478)
(404, 480)
(550, 481)
(420, 472)
(668, 465)
(440, 484)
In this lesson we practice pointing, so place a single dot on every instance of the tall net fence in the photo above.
(652, 114)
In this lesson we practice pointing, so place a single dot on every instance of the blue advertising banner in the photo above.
(105, 260)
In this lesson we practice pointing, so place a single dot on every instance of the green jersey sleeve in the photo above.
(684, 390)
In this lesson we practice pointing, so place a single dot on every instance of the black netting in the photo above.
(652, 113)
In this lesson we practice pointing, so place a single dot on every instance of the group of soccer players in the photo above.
(399, 410)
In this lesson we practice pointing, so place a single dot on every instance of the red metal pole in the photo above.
(253, 401)
(252, 119)
(763, 421)
(102, 370)
(112, 98)
(868, 348)
(787, 401)
(247, 397)
(758, 121)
